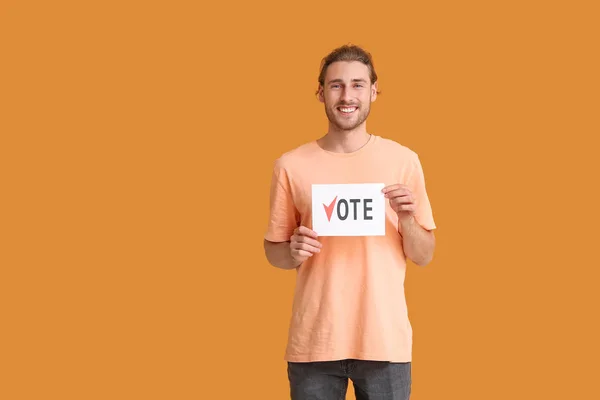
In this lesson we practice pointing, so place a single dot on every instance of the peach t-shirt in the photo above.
(349, 298)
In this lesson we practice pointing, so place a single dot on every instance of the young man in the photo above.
(349, 315)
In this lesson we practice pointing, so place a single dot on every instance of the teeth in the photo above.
(347, 110)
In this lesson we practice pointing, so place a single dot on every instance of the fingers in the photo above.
(300, 246)
(304, 243)
(403, 191)
(302, 230)
(401, 198)
(411, 208)
(396, 186)
(305, 235)
(307, 240)
(403, 203)
(301, 253)
(408, 199)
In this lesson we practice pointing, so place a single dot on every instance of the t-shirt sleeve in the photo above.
(283, 215)
(423, 214)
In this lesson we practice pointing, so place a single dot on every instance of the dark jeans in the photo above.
(328, 380)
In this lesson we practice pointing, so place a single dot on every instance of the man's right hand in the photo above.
(304, 244)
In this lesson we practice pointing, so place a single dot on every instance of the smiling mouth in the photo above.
(347, 110)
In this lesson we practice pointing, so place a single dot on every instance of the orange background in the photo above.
(134, 206)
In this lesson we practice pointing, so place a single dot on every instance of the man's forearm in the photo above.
(279, 255)
(418, 242)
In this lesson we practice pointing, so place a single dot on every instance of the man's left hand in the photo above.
(402, 200)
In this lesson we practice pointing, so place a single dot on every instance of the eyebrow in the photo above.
(341, 81)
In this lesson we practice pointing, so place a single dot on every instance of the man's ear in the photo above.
(373, 92)
(320, 94)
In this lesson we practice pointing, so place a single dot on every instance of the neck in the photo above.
(341, 141)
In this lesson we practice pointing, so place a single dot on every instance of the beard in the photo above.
(350, 122)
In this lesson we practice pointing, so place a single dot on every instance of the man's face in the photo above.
(347, 94)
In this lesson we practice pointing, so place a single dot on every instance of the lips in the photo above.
(347, 110)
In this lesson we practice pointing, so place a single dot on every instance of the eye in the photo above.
(359, 85)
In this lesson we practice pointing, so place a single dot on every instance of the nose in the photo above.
(345, 96)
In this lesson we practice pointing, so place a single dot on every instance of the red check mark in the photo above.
(329, 209)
